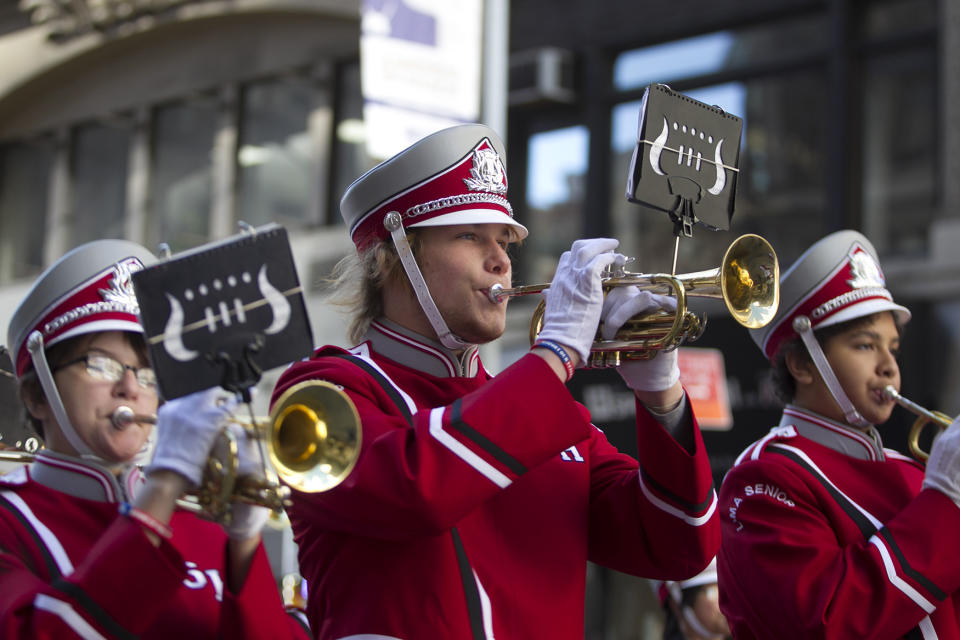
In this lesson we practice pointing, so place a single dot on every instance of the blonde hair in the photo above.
(358, 281)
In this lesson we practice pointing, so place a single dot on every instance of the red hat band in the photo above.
(105, 302)
(474, 184)
(857, 279)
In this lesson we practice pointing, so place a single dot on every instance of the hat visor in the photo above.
(473, 216)
(98, 326)
(866, 308)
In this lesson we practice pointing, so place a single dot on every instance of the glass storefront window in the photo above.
(899, 132)
(277, 163)
(780, 188)
(99, 160)
(181, 174)
(720, 51)
(24, 179)
(556, 170)
(351, 159)
(885, 18)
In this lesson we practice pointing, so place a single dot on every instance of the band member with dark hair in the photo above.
(826, 533)
(90, 547)
(691, 607)
(476, 500)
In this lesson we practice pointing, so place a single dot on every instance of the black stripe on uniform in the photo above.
(498, 454)
(383, 382)
(866, 527)
(52, 569)
(470, 591)
(915, 575)
(689, 507)
(96, 612)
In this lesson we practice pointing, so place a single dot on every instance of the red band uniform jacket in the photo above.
(72, 567)
(826, 534)
(477, 501)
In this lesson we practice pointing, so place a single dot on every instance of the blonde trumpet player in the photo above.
(826, 533)
(476, 500)
(90, 547)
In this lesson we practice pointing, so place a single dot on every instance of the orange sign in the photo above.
(703, 375)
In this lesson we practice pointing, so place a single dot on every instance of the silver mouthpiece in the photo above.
(123, 415)
(495, 294)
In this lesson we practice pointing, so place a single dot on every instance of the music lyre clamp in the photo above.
(686, 160)
(223, 313)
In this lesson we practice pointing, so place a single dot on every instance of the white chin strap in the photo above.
(801, 324)
(394, 224)
(35, 347)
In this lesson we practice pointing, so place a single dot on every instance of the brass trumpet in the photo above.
(747, 280)
(312, 438)
(924, 417)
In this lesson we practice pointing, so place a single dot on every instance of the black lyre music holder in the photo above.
(686, 160)
(223, 313)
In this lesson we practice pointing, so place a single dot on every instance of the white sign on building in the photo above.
(420, 69)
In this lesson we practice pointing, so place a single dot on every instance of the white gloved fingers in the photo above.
(623, 303)
(583, 251)
(246, 521)
(657, 374)
(575, 296)
(943, 466)
(187, 428)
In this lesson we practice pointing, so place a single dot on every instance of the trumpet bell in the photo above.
(749, 280)
(315, 439)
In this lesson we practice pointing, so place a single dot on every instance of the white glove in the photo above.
(622, 303)
(246, 520)
(186, 430)
(943, 467)
(575, 297)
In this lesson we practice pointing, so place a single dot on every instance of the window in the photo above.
(284, 125)
(98, 166)
(557, 167)
(183, 136)
(24, 178)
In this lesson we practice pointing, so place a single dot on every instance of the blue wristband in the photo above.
(560, 353)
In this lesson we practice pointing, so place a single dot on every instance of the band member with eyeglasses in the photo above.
(90, 545)
(476, 500)
(827, 533)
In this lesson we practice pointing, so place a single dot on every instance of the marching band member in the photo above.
(476, 500)
(827, 534)
(89, 547)
(691, 607)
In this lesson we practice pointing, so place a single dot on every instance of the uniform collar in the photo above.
(85, 479)
(421, 353)
(842, 438)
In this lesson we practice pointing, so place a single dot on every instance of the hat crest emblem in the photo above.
(121, 286)
(487, 172)
(864, 271)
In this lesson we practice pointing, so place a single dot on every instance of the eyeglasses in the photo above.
(102, 367)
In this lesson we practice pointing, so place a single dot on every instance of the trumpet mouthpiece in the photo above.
(495, 293)
(123, 415)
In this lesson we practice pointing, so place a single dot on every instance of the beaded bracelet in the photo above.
(560, 352)
(145, 519)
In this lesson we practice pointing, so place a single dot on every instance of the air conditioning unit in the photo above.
(543, 75)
